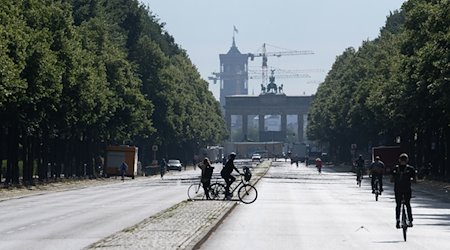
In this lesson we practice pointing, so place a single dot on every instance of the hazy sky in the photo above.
(204, 28)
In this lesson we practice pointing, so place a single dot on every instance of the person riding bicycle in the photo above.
(207, 171)
(376, 171)
(226, 173)
(359, 164)
(319, 165)
(402, 175)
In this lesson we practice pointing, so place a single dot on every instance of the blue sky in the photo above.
(204, 28)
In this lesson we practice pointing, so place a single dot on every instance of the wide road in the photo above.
(299, 209)
(74, 219)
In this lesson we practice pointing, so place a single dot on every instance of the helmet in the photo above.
(403, 156)
(377, 157)
(232, 154)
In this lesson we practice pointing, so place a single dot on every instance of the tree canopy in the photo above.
(77, 75)
(393, 87)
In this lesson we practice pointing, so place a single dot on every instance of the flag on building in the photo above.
(235, 29)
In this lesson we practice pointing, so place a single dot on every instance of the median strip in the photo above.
(183, 226)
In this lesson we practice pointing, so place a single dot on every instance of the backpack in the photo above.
(247, 174)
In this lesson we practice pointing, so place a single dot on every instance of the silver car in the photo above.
(256, 157)
(174, 165)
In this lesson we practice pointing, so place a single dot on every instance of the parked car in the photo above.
(256, 157)
(174, 165)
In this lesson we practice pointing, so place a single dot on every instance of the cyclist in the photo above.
(359, 164)
(226, 173)
(207, 171)
(402, 175)
(376, 170)
(319, 165)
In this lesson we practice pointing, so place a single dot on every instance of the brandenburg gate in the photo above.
(269, 113)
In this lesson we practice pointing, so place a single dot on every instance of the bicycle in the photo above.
(196, 190)
(403, 220)
(247, 193)
(359, 177)
(376, 188)
(404, 224)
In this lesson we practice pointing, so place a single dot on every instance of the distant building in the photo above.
(270, 117)
(233, 73)
(271, 112)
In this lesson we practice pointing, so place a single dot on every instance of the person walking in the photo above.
(226, 174)
(207, 171)
(123, 169)
(162, 168)
(402, 175)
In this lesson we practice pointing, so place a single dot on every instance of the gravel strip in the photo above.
(183, 226)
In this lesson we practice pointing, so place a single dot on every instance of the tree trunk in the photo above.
(2, 150)
(59, 157)
(12, 170)
(25, 160)
(441, 154)
(43, 161)
(447, 156)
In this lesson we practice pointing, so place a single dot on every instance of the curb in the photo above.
(216, 224)
(160, 231)
(208, 232)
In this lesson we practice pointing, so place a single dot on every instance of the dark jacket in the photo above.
(377, 167)
(228, 168)
(360, 163)
(207, 172)
(402, 176)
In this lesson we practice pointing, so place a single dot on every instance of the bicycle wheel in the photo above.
(377, 192)
(195, 191)
(247, 194)
(404, 225)
(217, 191)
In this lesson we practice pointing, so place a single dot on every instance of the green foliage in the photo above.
(395, 85)
(99, 72)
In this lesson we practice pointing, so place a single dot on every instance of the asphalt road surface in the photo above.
(74, 219)
(299, 209)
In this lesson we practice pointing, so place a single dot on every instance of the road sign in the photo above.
(155, 147)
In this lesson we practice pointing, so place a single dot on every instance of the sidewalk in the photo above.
(182, 226)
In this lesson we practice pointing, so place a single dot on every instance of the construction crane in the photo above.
(264, 54)
(284, 73)
(215, 77)
(257, 74)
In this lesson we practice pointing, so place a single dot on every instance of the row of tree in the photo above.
(78, 75)
(392, 90)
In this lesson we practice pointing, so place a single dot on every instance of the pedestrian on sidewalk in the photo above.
(207, 171)
(123, 169)
(162, 168)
